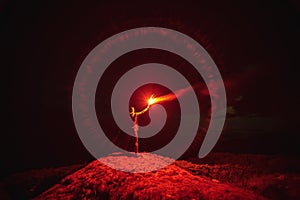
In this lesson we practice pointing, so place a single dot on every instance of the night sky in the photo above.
(254, 44)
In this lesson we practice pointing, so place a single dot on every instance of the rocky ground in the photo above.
(218, 176)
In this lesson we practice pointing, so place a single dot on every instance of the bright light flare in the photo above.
(151, 100)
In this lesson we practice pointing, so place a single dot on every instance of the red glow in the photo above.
(153, 100)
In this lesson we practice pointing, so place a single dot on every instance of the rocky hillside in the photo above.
(98, 181)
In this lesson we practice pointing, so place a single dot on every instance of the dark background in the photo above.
(255, 45)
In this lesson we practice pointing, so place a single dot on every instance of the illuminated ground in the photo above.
(219, 175)
(97, 180)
